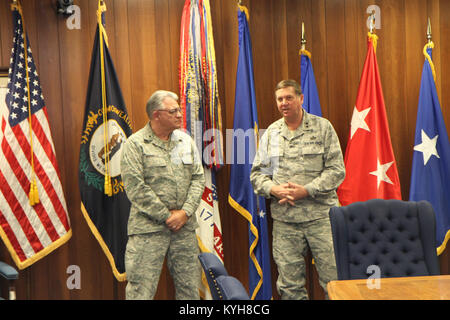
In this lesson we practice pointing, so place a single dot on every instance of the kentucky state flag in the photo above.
(430, 177)
(242, 197)
(106, 127)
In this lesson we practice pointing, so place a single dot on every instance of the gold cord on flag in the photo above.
(305, 52)
(374, 38)
(101, 33)
(33, 195)
(427, 56)
(244, 9)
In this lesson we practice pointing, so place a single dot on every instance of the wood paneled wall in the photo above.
(144, 43)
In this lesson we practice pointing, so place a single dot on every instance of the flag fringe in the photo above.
(442, 247)
(119, 276)
(247, 215)
(36, 257)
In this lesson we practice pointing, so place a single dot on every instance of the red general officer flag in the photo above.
(371, 170)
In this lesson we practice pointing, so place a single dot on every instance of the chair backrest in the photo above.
(213, 268)
(396, 236)
(221, 285)
(231, 288)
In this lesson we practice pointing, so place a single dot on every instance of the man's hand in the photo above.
(280, 191)
(297, 191)
(292, 192)
(177, 220)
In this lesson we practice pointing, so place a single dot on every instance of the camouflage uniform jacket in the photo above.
(161, 176)
(310, 156)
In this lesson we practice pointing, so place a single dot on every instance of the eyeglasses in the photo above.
(172, 111)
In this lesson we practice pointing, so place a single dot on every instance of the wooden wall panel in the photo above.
(441, 11)
(144, 44)
(391, 51)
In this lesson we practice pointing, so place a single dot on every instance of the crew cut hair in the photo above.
(289, 83)
(155, 102)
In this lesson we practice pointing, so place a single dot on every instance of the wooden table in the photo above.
(406, 288)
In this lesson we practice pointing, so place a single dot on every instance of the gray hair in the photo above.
(156, 101)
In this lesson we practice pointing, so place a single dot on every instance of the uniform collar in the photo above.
(305, 125)
(151, 137)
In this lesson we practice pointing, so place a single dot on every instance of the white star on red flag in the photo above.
(358, 121)
(381, 172)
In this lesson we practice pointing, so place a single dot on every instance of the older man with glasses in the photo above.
(163, 178)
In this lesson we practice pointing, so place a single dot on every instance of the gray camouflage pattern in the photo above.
(158, 177)
(310, 156)
(290, 242)
(143, 267)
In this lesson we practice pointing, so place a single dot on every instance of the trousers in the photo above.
(144, 258)
(290, 242)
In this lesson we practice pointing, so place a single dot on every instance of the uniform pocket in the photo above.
(154, 164)
(313, 158)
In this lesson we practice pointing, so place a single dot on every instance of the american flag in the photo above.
(30, 232)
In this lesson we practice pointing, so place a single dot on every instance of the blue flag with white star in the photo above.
(430, 177)
(242, 197)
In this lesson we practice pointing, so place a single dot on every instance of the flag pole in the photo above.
(303, 43)
(33, 194)
(429, 31)
(303, 39)
(429, 44)
(372, 22)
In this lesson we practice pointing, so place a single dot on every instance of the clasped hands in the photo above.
(177, 220)
(289, 192)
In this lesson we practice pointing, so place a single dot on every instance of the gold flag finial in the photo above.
(303, 43)
(372, 22)
(303, 39)
(15, 5)
(429, 31)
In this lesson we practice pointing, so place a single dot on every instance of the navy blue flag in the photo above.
(311, 101)
(430, 178)
(242, 197)
(106, 127)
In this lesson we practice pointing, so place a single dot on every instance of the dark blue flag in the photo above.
(311, 101)
(106, 127)
(430, 177)
(242, 197)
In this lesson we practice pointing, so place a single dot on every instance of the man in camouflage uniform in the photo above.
(299, 166)
(163, 178)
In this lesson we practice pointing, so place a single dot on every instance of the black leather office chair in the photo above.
(10, 274)
(221, 284)
(398, 237)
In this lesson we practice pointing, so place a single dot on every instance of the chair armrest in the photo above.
(8, 272)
